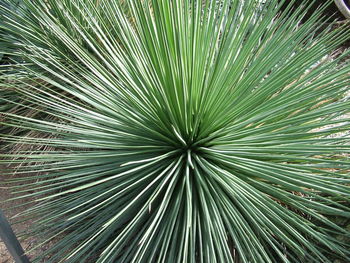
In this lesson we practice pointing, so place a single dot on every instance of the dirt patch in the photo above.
(12, 213)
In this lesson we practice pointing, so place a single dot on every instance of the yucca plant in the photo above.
(183, 131)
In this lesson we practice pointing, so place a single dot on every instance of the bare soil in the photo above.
(13, 214)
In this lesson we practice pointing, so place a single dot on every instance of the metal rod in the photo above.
(343, 8)
(8, 236)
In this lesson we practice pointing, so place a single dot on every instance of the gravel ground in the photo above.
(12, 214)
